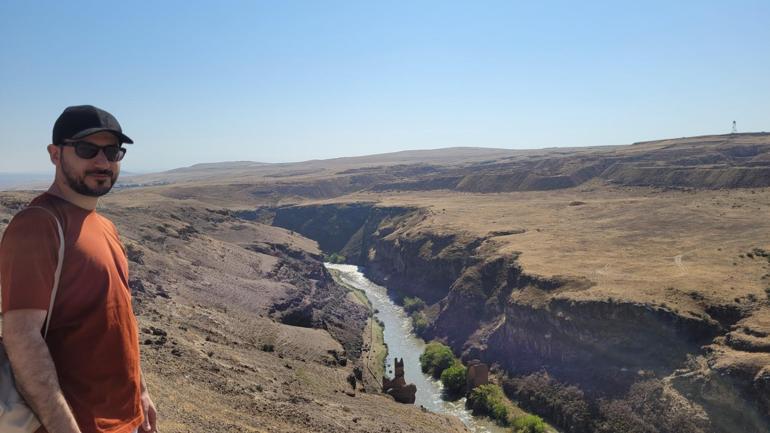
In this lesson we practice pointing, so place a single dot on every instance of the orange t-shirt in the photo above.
(93, 336)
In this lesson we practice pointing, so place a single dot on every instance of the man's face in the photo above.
(90, 177)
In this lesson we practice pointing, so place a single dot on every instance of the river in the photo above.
(403, 343)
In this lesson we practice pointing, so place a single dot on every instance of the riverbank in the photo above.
(401, 342)
(374, 351)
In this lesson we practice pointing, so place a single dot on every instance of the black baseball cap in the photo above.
(81, 121)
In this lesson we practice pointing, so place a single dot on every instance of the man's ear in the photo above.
(54, 152)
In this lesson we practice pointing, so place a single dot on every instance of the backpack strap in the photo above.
(57, 275)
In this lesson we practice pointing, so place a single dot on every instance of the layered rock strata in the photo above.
(487, 307)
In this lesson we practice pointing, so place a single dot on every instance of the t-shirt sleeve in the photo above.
(28, 259)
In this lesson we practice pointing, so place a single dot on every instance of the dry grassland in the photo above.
(636, 244)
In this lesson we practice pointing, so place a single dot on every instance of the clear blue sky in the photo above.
(195, 81)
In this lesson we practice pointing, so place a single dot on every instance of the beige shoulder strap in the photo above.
(57, 275)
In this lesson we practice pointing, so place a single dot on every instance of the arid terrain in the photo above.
(622, 288)
(243, 330)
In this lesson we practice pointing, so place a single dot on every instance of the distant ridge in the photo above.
(703, 137)
(231, 163)
(739, 160)
(209, 165)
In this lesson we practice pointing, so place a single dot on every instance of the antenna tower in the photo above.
(735, 128)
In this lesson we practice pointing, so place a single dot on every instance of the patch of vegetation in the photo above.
(488, 400)
(454, 379)
(648, 408)
(528, 424)
(563, 405)
(414, 304)
(419, 323)
(380, 348)
(436, 358)
(414, 307)
(334, 258)
(360, 296)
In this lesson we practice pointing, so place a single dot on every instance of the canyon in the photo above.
(602, 328)
(610, 272)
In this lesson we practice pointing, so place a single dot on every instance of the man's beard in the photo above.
(79, 185)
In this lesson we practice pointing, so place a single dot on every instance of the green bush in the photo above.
(419, 322)
(564, 405)
(500, 413)
(436, 358)
(454, 380)
(528, 424)
(334, 258)
(413, 304)
(488, 400)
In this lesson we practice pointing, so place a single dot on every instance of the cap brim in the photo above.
(91, 131)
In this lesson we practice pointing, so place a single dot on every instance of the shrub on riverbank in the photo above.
(334, 258)
(563, 405)
(414, 307)
(436, 358)
(454, 379)
(488, 400)
(414, 304)
(419, 323)
(528, 424)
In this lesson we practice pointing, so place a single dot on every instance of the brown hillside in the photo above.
(242, 329)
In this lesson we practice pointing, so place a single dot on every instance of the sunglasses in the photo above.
(86, 150)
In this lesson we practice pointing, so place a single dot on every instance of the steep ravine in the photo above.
(486, 306)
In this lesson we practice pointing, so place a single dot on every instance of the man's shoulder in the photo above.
(39, 212)
(40, 204)
(40, 208)
(106, 221)
(31, 227)
(46, 200)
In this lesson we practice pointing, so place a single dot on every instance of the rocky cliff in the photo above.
(486, 306)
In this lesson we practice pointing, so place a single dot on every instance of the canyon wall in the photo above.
(486, 306)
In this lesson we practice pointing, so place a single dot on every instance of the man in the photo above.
(85, 376)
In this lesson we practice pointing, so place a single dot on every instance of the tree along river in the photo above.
(403, 343)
